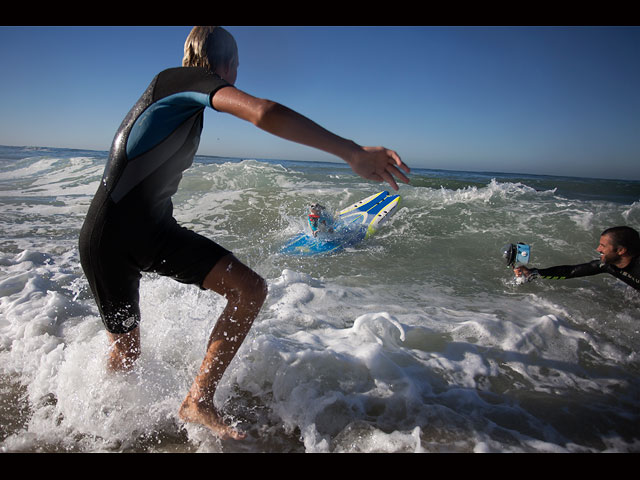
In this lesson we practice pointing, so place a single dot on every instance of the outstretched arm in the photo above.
(562, 272)
(373, 163)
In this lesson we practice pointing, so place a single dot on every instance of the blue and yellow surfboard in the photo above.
(353, 224)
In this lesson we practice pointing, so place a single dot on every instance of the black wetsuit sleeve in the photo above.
(562, 272)
(629, 275)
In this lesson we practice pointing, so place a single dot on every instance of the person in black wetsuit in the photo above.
(130, 229)
(619, 250)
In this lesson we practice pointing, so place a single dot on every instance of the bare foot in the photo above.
(124, 350)
(197, 412)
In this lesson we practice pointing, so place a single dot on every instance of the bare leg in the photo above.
(245, 292)
(125, 350)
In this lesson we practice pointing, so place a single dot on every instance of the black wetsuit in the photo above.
(629, 275)
(130, 227)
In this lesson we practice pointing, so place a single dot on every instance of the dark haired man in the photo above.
(619, 250)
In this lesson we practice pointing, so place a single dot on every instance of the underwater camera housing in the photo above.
(516, 253)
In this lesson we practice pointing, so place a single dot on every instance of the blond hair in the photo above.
(209, 47)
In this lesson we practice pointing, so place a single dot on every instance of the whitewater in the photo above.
(418, 339)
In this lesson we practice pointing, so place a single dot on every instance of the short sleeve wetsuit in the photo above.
(629, 275)
(130, 227)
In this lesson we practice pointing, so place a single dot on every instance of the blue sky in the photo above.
(547, 100)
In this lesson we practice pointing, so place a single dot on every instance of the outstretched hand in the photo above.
(379, 164)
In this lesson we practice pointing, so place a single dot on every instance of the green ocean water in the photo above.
(416, 340)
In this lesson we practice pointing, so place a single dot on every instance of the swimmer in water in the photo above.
(130, 228)
(619, 250)
(319, 219)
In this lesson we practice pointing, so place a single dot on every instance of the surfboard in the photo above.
(353, 224)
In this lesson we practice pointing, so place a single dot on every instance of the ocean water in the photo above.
(417, 340)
